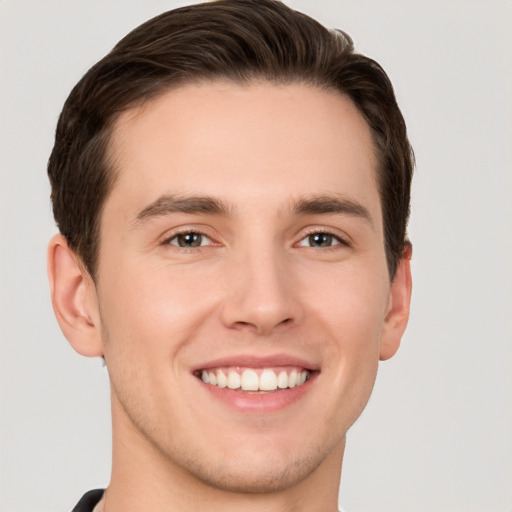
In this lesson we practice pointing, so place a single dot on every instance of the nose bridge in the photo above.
(260, 295)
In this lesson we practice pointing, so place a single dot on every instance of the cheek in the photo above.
(148, 317)
(352, 359)
(351, 302)
(153, 311)
(351, 310)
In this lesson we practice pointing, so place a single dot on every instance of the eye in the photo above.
(189, 240)
(320, 240)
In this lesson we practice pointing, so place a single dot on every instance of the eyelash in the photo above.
(168, 240)
(341, 241)
(317, 231)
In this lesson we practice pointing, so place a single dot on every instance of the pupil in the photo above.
(320, 240)
(189, 240)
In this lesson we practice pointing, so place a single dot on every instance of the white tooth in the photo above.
(282, 380)
(212, 378)
(292, 379)
(249, 381)
(204, 377)
(268, 380)
(302, 378)
(222, 380)
(233, 380)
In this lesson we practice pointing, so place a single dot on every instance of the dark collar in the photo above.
(89, 501)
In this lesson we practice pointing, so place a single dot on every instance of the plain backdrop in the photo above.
(437, 433)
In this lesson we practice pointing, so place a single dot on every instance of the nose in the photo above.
(261, 294)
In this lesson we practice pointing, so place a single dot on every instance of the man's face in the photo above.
(242, 242)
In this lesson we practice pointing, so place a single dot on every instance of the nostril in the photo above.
(285, 322)
(261, 326)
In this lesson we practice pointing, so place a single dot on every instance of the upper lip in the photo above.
(254, 361)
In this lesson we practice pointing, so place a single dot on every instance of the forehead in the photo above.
(231, 141)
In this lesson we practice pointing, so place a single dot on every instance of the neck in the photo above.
(145, 479)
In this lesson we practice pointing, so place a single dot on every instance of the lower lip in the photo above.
(259, 402)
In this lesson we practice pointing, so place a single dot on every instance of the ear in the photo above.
(74, 299)
(398, 307)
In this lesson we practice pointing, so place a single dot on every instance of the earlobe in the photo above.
(398, 309)
(74, 299)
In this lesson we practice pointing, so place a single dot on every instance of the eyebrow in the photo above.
(167, 204)
(316, 205)
(332, 204)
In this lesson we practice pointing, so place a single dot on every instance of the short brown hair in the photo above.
(236, 40)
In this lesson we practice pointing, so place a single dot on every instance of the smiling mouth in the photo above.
(251, 380)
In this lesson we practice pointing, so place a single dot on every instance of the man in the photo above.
(231, 185)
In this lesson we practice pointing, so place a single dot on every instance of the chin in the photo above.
(250, 476)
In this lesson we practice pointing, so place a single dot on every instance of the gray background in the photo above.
(437, 434)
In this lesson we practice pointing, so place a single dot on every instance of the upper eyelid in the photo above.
(188, 233)
(340, 242)
(174, 232)
(303, 233)
(166, 241)
(339, 234)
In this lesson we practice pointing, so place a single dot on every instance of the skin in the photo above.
(256, 286)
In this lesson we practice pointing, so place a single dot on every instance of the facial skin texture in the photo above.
(255, 287)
